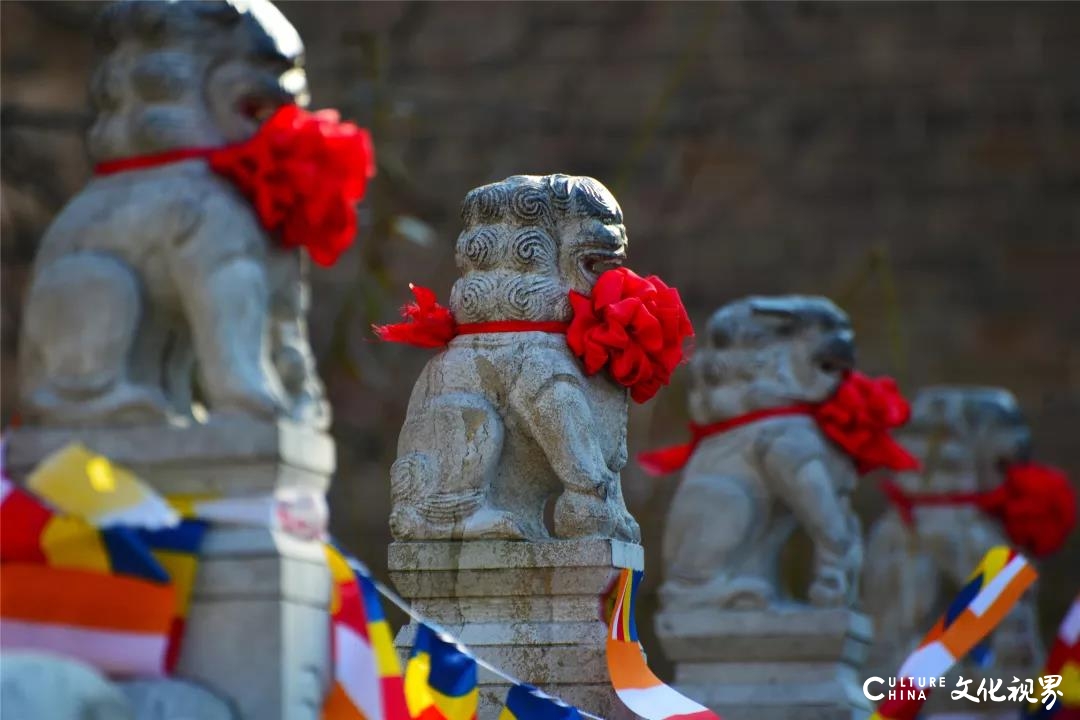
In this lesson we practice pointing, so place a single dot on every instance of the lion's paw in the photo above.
(580, 515)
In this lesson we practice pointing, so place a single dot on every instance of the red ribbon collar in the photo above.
(302, 172)
(633, 327)
(857, 418)
(144, 162)
(1035, 504)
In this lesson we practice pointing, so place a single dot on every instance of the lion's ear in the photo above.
(776, 313)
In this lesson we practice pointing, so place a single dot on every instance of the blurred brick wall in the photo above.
(920, 163)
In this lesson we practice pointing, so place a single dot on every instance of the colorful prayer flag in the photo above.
(440, 678)
(82, 483)
(635, 684)
(524, 702)
(1063, 660)
(368, 683)
(116, 623)
(989, 594)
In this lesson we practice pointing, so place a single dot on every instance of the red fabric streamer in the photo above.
(427, 323)
(302, 172)
(1036, 506)
(857, 418)
(664, 461)
(635, 327)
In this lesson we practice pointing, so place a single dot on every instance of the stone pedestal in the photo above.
(258, 628)
(531, 609)
(774, 664)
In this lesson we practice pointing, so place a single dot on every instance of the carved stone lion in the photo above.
(744, 491)
(965, 438)
(151, 278)
(500, 424)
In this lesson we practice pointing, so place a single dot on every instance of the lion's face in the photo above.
(764, 352)
(965, 437)
(191, 74)
(242, 92)
(528, 241)
(593, 237)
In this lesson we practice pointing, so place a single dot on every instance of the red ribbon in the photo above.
(1035, 504)
(634, 327)
(857, 418)
(669, 459)
(143, 162)
(302, 172)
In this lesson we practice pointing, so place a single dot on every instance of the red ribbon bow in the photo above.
(1035, 504)
(633, 326)
(858, 418)
(302, 172)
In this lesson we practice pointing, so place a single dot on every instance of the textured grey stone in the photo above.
(794, 663)
(500, 424)
(149, 277)
(744, 491)
(36, 686)
(236, 456)
(530, 609)
(167, 699)
(964, 436)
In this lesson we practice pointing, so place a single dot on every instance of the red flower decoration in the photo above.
(427, 323)
(303, 173)
(858, 418)
(633, 326)
(1037, 506)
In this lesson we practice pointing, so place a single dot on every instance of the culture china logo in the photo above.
(1045, 691)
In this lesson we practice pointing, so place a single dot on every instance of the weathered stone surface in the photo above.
(235, 456)
(149, 277)
(500, 424)
(744, 491)
(35, 686)
(530, 609)
(965, 437)
(165, 699)
(793, 663)
(258, 630)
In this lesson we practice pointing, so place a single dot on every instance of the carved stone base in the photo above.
(257, 631)
(791, 664)
(530, 609)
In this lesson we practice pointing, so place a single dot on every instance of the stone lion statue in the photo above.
(744, 491)
(965, 438)
(500, 424)
(149, 279)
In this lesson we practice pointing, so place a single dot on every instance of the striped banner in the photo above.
(635, 684)
(989, 594)
(1064, 662)
(368, 682)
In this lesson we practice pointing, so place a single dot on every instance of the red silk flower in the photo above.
(859, 417)
(633, 326)
(303, 173)
(1036, 505)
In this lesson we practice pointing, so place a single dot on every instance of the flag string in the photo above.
(406, 608)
